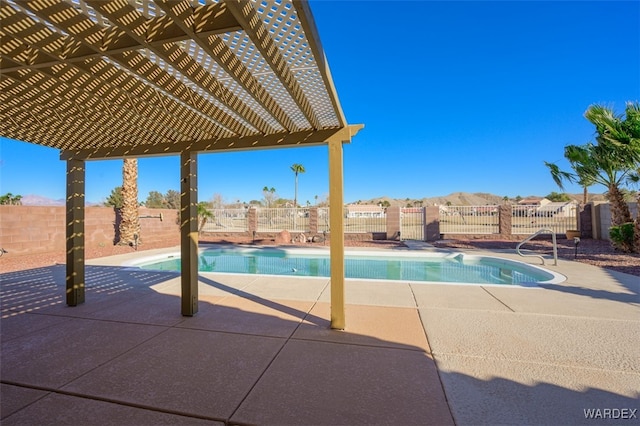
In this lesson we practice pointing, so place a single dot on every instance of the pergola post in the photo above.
(336, 226)
(75, 232)
(189, 232)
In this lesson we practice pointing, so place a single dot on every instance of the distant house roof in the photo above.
(364, 208)
(555, 206)
(534, 200)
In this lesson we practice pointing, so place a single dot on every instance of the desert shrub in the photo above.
(622, 236)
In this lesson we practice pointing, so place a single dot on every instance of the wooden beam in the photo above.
(189, 232)
(336, 226)
(75, 278)
(276, 140)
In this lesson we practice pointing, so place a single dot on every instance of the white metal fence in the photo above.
(469, 220)
(527, 219)
(412, 223)
(323, 219)
(362, 222)
(291, 219)
(353, 223)
(227, 220)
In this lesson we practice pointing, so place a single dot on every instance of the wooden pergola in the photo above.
(132, 78)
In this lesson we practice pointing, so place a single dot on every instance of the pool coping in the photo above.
(556, 277)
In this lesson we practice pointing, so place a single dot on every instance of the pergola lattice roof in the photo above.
(101, 79)
(107, 79)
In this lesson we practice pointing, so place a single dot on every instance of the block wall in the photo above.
(38, 229)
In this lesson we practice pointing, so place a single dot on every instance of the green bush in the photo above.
(622, 236)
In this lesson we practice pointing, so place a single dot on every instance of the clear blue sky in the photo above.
(455, 96)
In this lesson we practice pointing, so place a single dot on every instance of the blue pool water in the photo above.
(429, 267)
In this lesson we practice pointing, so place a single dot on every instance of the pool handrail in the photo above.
(530, 237)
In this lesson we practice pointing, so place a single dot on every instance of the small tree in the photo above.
(217, 202)
(172, 199)
(155, 200)
(115, 198)
(558, 197)
(11, 199)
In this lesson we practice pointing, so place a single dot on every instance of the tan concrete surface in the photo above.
(260, 351)
(375, 292)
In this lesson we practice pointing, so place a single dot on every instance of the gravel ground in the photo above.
(594, 252)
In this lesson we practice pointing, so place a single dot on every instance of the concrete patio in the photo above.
(260, 351)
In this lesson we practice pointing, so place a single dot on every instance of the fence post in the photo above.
(586, 221)
(252, 221)
(504, 220)
(313, 221)
(432, 223)
(393, 222)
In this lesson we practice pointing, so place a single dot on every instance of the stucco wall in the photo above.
(603, 212)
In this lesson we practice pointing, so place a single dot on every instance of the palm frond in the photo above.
(558, 175)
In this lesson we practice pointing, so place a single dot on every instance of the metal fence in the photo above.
(277, 219)
(469, 220)
(412, 223)
(227, 220)
(323, 219)
(353, 223)
(363, 222)
(528, 219)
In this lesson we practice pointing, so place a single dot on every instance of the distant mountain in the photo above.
(39, 200)
(462, 199)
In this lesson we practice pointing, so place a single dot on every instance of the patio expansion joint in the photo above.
(103, 399)
(435, 361)
(531, 314)
(275, 356)
(499, 301)
(436, 356)
(362, 345)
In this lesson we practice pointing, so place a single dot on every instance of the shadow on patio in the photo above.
(127, 356)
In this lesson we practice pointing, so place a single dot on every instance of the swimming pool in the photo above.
(408, 266)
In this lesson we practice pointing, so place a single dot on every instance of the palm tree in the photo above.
(269, 195)
(297, 168)
(130, 222)
(582, 179)
(622, 134)
(634, 179)
(609, 161)
(204, 214)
